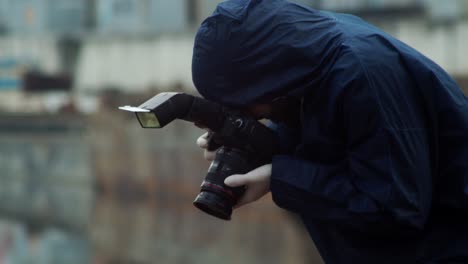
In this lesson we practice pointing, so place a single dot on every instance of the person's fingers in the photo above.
(257, 184)
(249, 196)
(241, 180)
(252, 194)
(237, 180)
(261, 172)
(209, 155)
(202, 141)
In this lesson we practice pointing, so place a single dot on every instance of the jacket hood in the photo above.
(251, 51)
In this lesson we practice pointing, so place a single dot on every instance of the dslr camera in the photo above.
(241, 142)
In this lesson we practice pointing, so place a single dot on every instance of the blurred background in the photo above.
(81, 182)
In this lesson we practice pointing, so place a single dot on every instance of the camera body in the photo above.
(241, 142)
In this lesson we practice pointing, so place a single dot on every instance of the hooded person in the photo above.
(378, 167)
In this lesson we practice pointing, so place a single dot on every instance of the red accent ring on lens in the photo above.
(217, 187)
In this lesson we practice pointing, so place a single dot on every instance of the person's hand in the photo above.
(257, 183)
(202, 142)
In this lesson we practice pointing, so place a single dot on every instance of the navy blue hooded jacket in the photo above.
(379, 167)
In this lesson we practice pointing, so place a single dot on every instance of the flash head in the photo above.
(163, 108)
(157, 112)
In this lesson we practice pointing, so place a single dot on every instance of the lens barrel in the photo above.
(216, 198)
(213, 204)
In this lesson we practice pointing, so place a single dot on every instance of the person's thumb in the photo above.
(236, 180)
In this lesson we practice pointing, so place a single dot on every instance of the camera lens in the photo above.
(215, 198)
(213, 204)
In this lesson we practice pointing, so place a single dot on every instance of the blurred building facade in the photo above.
(70, 161)
(43, 16)
(46, 190)
(146, 17)
(133, 45)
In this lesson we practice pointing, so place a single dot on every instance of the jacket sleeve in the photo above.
(383, 177)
